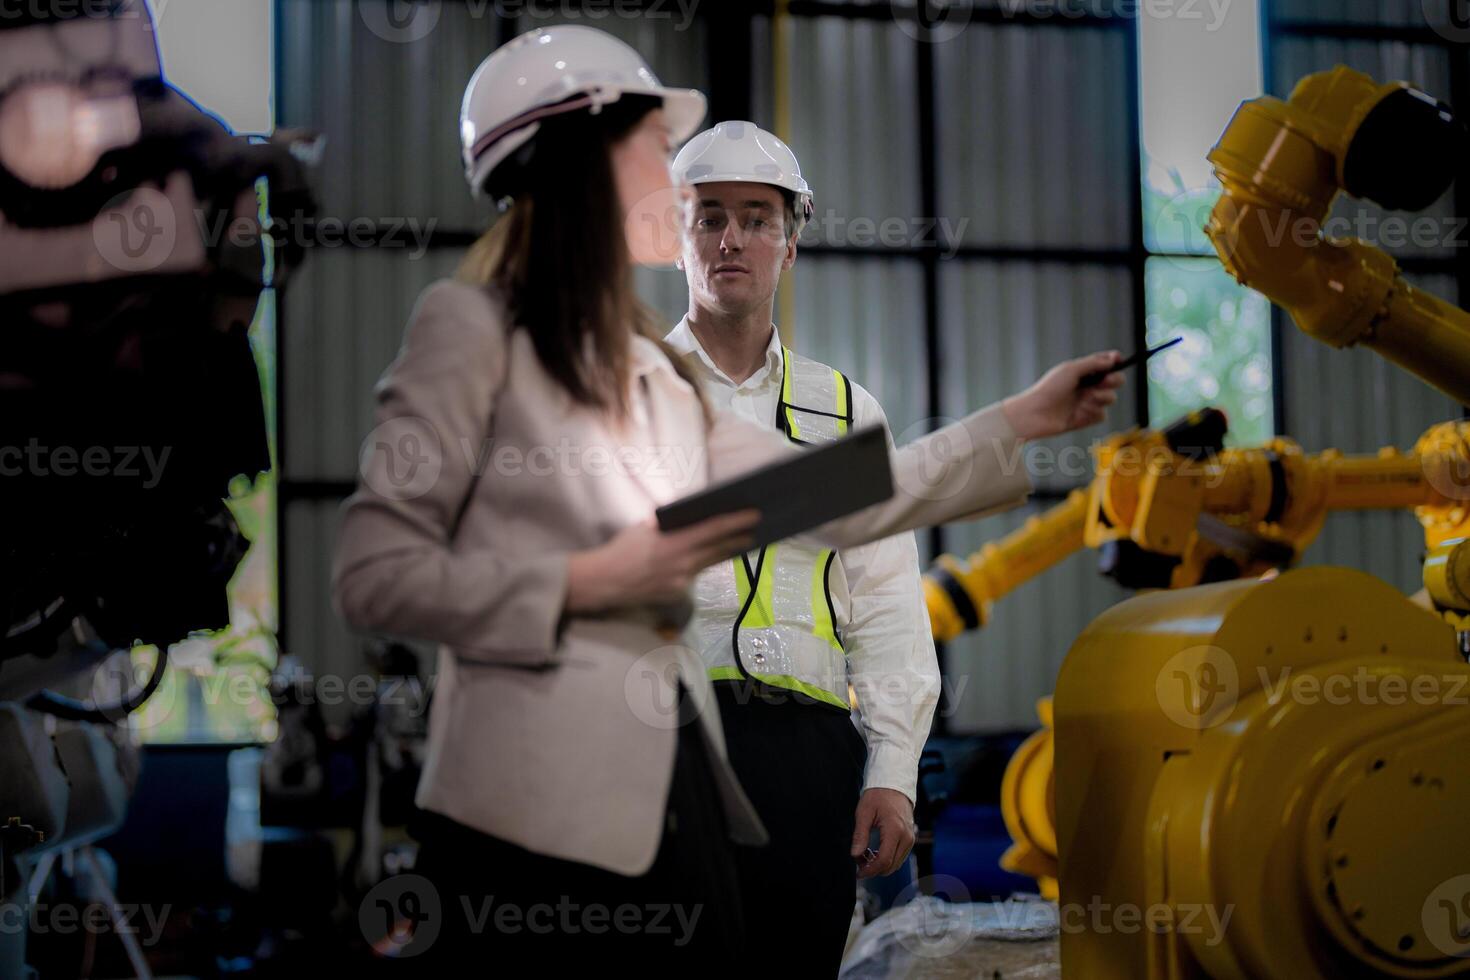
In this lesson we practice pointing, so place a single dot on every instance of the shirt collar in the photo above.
(687, 345)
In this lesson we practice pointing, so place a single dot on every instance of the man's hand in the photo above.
(892, 813)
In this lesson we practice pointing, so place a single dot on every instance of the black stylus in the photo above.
(1088, 380)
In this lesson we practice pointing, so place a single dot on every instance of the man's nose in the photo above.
(733, 240)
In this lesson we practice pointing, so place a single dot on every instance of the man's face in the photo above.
(736, 246)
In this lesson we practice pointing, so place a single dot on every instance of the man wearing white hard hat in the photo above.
(785, 630)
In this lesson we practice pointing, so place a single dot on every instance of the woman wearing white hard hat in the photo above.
(578, 799)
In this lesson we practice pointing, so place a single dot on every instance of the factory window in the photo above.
(1194, 72)
(1225, 359)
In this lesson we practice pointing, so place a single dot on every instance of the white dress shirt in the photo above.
(881, 614)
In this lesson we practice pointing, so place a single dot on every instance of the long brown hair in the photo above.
(559, 258)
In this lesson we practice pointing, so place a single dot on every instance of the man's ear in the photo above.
(679, 263)
(790, 259)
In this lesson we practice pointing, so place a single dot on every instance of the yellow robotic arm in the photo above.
(1287, 750)
(1171, 508)
(1282, 164)
(960, 594)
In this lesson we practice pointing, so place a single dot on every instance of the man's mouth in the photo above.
(733, 269)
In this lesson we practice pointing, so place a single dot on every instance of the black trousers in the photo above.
(801, 763)
(506, 912)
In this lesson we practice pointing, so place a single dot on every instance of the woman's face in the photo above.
(653, 205)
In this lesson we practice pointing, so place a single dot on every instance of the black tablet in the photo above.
(799, 493)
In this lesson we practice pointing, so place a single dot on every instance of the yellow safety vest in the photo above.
(768, 617)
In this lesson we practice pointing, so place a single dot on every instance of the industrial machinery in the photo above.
(134, 245)
(1173, 508)
(1260, 774)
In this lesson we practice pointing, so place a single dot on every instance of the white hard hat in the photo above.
(549, 71)
(742, 151)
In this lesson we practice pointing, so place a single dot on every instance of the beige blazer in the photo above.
(551, 731)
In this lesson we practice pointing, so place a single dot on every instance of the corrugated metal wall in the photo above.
(1034, 138)
(385, 89)
(853, 123)
(1033, 163)
(1016, 107)
(864, 316)
(1005, 323)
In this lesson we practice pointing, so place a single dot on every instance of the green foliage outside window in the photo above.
(1225, 360)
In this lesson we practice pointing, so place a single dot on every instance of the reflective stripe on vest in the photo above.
(769, 616)
(822, 409)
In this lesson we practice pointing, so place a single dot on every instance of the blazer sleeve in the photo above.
(397, 569)
(964, 471)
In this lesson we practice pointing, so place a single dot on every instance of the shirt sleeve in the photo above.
(397, 569)
(892, 664)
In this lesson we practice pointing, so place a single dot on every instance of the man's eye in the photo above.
(759, 222)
